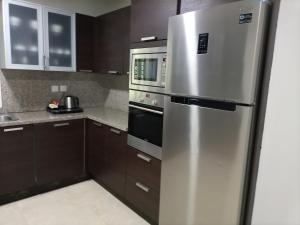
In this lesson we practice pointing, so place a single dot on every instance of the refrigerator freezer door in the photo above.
(216, 52)
(203, 164)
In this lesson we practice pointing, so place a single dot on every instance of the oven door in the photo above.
(145, 128)
(148, 70)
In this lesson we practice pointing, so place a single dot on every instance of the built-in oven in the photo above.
(146, 122)
(148, 69)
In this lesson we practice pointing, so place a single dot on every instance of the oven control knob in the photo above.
(154, 102)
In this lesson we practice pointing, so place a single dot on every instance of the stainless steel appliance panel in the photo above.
(204, 162)
(145, 124)
(150, 99)
(216, 52)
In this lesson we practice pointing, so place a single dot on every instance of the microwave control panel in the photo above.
(163, 71)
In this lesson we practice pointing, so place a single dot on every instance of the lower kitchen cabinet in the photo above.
(143, 167)
(106, 149)
(96, 159)
(116, 142)
(143, 198)
(16, 158)
(59, 151)
(143, 183)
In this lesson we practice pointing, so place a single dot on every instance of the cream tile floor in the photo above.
(86, 203)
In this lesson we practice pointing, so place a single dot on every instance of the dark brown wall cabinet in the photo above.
(59, 150)
(192, 5)
(149, 19)
(106, 148)
(85, 43)
(143, 183)
(112, 42)
(16, 159)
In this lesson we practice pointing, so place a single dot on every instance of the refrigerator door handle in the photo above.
(206, 103)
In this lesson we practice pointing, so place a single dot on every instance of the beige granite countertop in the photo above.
(111, 117)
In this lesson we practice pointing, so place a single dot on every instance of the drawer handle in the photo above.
(143, 157)
(115, 131)
(86, 71)
(142, 187)
(61, 124)
(13, 129)
(113, 72)
(150, 38)
(98, 124)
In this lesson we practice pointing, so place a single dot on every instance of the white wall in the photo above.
(88, 7)
(277, 200)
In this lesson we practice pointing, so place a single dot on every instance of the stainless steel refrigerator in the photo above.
(214, 67)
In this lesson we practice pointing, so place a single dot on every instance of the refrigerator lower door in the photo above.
(203, 164)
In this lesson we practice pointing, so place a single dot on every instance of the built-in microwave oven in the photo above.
(148, 69)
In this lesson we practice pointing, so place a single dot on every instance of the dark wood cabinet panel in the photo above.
(16, 158)
(144, 167)
(106, 153)
(59, 150)
(85, 43)
(112, 42)
(116, 145)
(150, 18)
(193, 5)
(143, 198)
(97, 154)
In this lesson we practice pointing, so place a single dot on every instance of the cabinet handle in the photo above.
(98, 124)
(113, 72)
(61, 124)
(115, 131)
(142, 187)
(13, 129)
(86, 71)
(143, 157)
(150, 38)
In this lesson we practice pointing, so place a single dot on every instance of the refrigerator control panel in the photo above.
(203, 43)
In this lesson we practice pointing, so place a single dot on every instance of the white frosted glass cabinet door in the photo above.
(23, 35)
(59, 40)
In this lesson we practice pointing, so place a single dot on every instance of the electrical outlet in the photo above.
(54, 88)
(63, 88)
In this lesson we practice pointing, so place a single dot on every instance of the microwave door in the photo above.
(146, 69)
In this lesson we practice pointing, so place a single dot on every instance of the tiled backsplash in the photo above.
(31, 90)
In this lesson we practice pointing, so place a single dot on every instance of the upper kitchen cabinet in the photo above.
(35, 37)
(22, 36)
(85, 43)
(192, 5)
(112, 42)
(60, 41)
(149, 19)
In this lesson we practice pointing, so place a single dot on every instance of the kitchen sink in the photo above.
(7, 118)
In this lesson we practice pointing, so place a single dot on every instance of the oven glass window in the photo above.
(146, 69)
(145, 125)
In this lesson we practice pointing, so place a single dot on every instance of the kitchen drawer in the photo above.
(144, 168)
(143, 198)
